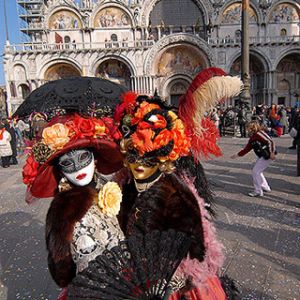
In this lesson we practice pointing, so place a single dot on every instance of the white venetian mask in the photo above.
(78, 166)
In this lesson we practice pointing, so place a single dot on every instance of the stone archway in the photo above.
(60, 70)
(116, 71)
(175, 89)
(288, 79)
(258, 75)
(24, 90)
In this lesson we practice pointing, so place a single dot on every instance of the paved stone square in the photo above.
(260, 235)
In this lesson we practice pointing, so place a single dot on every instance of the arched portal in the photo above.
(175, 89)
(258, 75)
(60, 70)
(288, 79)
(24, 90)
(116, 71)
(176, 15)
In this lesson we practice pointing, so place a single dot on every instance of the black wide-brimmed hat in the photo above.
(73, 94)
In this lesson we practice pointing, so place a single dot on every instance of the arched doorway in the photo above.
(116, 71)
(60, 70)
(175, 15)
(288, 79)
(177, 88)
(24, 90)
(258, 77)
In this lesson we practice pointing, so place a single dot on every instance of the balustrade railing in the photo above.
(38, 47)
(255, 40)
(138, 44)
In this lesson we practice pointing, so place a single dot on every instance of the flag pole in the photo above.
(5, 20)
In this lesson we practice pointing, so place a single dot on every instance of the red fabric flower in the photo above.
(30, 170)
(81, 127)
(144, 125)
(112, 128)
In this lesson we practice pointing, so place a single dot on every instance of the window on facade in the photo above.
(281, 100)
(238, 35)
(114, 38)
(67, 39)
(283, 32)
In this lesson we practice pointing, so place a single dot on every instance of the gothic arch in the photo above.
(204, 5)
(102, 6)
(259, 68)
(23, 90)
(23, 65)
(62, 8)
(167, 82)
(51, 62)
(95, 65)
(283, 54)
(115, 69)
(258, 54)
(179, 39)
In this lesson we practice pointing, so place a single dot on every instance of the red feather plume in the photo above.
(209, 87)
(126, 107)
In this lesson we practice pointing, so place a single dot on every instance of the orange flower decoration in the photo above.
(160, 121)
(162, 139)
(144, 108)
(142, 140)
(56, 136)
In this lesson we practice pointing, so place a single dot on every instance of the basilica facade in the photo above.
(150, 45)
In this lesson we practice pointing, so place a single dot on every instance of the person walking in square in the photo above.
(264, 148)
(242, 120)
(13, 142)
(5, 147)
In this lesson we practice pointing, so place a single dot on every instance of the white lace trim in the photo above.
(93, 234)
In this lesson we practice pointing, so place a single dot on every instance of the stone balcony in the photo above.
(65, 47)
(254, 40)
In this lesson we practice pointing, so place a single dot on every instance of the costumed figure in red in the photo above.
(162, 148)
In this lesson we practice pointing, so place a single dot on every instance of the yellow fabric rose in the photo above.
(109, 199)
(56, 136)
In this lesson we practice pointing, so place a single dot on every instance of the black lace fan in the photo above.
(139, 268)
(73, 94)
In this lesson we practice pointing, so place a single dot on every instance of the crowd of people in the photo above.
(277, 120)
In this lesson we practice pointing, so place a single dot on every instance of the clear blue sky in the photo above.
(13, 30)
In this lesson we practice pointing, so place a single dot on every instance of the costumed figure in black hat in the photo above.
(66, 164)
(68, 161)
